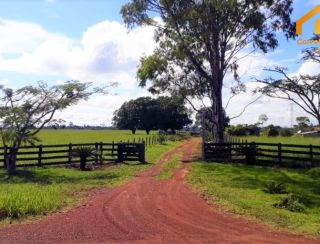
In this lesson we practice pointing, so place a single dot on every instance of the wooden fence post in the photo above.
(112, 150)
(70, 153)
(280, 154)
(142, 154)
(311, 155)
(120, 152)
(101, 153)
(96, 147)
(40, 156)
(5, 152)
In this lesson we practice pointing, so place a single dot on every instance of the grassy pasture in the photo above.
(89, 136)
(284, 140)
(37, 191)
(241, 189)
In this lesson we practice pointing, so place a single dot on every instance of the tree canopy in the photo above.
(302, 89)
(25, 111)
(199, 42)
(148, 114)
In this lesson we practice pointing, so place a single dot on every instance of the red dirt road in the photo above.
(146, 211)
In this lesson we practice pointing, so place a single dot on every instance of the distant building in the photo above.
(315, 132)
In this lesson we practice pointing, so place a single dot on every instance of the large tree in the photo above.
(199, 42)
(302, 89)
(146, 113)
(25, 111)
(174, 115)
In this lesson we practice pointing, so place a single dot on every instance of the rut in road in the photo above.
(147, 210)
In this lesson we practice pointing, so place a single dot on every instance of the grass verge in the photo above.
(241, 189)
(37, 191)
(168, 168)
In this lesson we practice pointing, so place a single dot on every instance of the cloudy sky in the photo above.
(60, 40)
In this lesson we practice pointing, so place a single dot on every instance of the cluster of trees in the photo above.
(302, 124)
(146, 113)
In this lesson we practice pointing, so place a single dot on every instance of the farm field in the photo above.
(38, 191)
(242, 190)
(89, 136)
(285, 140)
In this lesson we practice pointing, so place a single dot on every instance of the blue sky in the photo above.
(58, 40)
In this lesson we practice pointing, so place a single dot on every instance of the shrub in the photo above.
(275, 188)
(250, 152)
(286, 132)
(237, 130)
(83, 153)
(292, 202)
(270, 131)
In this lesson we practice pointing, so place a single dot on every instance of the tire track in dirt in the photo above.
(146, 210)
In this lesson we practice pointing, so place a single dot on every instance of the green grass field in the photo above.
(241, 189)
(285, 140)
(89, 136)
(37, 191)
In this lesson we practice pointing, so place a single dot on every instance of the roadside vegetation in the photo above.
(38, 191)
(283, 198)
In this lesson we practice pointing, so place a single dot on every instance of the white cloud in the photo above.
(106, 52)
(18, 37)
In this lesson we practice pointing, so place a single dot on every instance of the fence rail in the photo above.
(273, 154)
(41, 155)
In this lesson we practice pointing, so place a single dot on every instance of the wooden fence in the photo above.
(273, 154)
(42, 155)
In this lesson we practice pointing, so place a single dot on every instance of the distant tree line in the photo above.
(146, 113)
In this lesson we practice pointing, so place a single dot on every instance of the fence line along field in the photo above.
(285, 140)
(89, 136)
(56, 145)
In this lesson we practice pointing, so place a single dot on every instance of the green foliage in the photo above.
(236, 130)
(25, 111)
(241, 189)
(83, 153)
(191, 36)
(270, 131)
(250, 152)
(286, 132)
(275, 188)
(148, 114)
(303, 123)
(292, 202)
(242, 130)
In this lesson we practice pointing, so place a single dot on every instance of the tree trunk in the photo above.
(83, 161)
(218, 117)
(148, 131)
(133, 131)
(11, 160)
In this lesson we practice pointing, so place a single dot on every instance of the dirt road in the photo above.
(146, 211)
